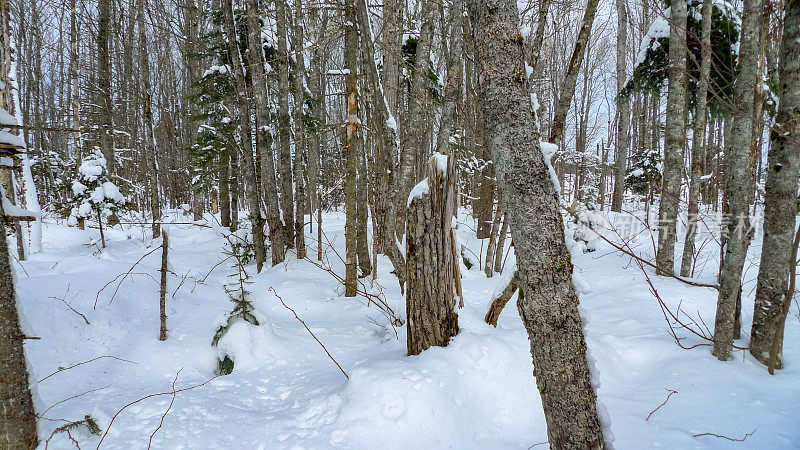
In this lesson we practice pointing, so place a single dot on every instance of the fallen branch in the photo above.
(309, 330)
(726, 437)
(61, 369)
(74, 396)
(125, 275)
(172, 392)
(662, 404)
(63, 300)
(150, 442)
(500, 302)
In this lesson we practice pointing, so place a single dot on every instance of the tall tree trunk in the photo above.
(149, 128)
(317, 112)
(224, 188)
(738, 182)
(452, 90)
(623, 109)
(352, 141)
(258, 78)
(780, 209)
(300, 143)
(414, 139)
(549, 309)
(571, 77)
(17, 415)
(698, 140)
(104, 84)
(284, 125)
(674, 141)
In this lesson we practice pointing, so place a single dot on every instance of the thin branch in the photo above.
(61, 369)
(726, 437)
(309, 330)
(662, 404)
(150, 442)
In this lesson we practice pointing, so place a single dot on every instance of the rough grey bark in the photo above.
(317, 111)
(352, 141)
(224, 189)
(738, 182)
(674, 140)
(549, 309)
(780, 209)
(433, 283)
(362, 216)
(392, 49)
(17, 415)
(17, 418)
(623, 109)
(538, 38)
(284, 124)
(300, 142)
(698, 139)
(571, 77)
(258, 77)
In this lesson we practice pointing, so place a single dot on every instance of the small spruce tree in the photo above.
(94, 195)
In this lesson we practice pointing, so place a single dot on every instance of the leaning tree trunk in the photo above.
(780, 209)
(737, 183)
(674, 141)
(623, 109)
(571, 77)
(698, 140)
(549, 309)
(433, 278)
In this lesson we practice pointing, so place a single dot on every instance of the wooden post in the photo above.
(163, 304)
(433, 278)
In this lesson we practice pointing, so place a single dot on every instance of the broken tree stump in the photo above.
(433, 277)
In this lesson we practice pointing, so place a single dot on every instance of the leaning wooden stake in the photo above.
(163, 304)
(433, 278)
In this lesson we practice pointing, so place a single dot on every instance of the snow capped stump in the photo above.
(433, 279)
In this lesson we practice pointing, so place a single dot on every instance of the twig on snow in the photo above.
(726, 437)
(171, 402)
(662, 404)
(309, 330)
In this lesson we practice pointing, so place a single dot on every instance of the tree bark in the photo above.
(300, 143)
(500, 302)
(549, 309)
(674, 141)
(352, 140)
(433, 280)
(738, 182)
(623, 109)
(149, 129)
(698, 140)
(162, 305)
(284, 124)
(780, 209)
(104, 84)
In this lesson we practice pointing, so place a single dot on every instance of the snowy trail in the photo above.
(286, 393)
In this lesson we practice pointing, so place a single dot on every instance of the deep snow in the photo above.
(286, 393)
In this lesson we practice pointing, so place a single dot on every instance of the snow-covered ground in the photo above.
(285, 392)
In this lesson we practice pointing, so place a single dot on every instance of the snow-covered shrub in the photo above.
(590, 224)
(94, 195)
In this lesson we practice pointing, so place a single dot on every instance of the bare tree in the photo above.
(550, 306)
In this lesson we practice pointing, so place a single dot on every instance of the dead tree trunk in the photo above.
(783, 168)
(500, 302)
(433, 278)
(549, 308)
(162, 336)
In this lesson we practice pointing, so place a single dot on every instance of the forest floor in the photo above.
(285, 392)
